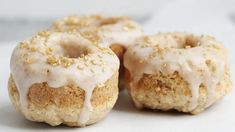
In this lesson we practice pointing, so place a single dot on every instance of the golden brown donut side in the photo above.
(63, 105)
(171, 91)
(119, 50)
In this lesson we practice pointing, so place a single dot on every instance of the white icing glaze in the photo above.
(166, 53)
(111, 30)
(120, 33)
(76, 22)
(82, 73)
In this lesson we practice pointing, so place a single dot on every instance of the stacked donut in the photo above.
(72, 72)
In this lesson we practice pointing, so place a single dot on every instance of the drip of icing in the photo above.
(190, 63)
(87, 78)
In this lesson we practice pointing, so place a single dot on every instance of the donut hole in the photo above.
(109, 21)
(190, 42)
(74, 50)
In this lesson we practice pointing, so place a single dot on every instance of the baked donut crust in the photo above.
(63, 78)
(168, 92)
(158, 78)
(63, 105)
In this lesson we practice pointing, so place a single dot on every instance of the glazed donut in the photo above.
(178, 71)
(76, 23)
(114, 32)
(63, 78)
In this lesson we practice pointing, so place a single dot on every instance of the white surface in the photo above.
(183, 15)
(55, 8)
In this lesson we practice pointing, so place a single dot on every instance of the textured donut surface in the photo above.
(177, 71)
(63, 78)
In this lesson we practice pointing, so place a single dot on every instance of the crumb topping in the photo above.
(56, 61)
(128, 27)
(91, 35)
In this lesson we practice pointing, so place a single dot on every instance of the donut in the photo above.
(76, 23)
(63, 78)
(177, 71)
(113, 30)
(116, 33)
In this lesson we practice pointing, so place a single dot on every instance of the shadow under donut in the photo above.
(15, 121)
(125, 104)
